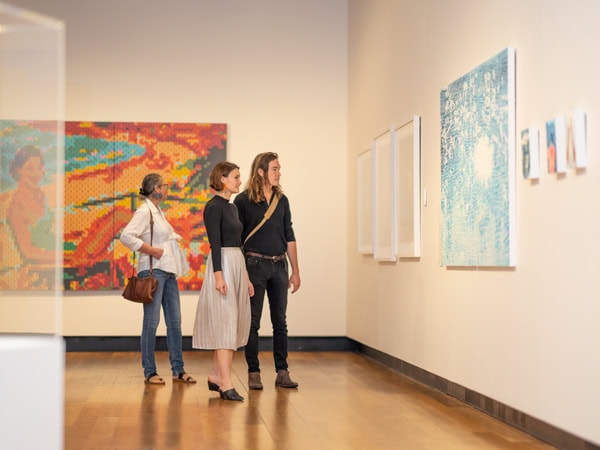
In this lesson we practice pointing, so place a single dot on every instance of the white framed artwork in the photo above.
(580, 139)
(365, 202)
(383, 197)
(560, 128)
(407, 177)
(556, 145)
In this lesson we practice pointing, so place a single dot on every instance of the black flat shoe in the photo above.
(213, 386)
(231, 394)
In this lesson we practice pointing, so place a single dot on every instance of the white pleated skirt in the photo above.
(223, 321)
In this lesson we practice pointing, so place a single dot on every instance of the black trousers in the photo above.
(270, 277)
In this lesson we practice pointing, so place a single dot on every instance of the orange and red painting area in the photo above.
(104, 165)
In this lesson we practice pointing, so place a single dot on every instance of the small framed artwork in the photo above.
(383, 197)
(556, 145)
(580, 139)
(551, 145)
(530, 146)
(561, 144)
(365, 202)
(407, 164)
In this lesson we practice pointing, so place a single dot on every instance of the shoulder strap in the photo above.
(268, 214)
(151, 237)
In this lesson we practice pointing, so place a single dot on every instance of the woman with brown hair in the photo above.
(223, 313)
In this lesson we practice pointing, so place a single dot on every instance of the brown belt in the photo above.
(270, 258)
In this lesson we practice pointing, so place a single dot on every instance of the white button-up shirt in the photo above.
(137, 231)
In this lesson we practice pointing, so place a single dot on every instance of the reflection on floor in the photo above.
(345, 401)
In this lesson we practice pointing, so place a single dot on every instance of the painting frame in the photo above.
(383, 197)
(478, 170)
(579, 132)
(407, 188)
(365, 202)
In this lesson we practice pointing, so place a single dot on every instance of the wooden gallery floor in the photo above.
(345, 401)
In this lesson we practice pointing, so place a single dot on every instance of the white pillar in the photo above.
(32, 392)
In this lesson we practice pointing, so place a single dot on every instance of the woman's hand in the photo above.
(157, 252)
(250, 288)
(220, 283)
(154, 252)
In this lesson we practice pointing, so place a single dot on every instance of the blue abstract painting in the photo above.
(478, 165)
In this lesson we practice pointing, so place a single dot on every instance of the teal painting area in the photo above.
(476, 200)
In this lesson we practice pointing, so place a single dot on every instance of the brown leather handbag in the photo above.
(141, 289)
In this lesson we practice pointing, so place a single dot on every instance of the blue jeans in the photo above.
(167, 295)
(272, 278)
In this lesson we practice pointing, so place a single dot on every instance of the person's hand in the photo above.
(157, 252)
(250, 289)
(222, 288)
(220, 283)
(294, 282)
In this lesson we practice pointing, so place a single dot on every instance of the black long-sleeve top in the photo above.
(274, 235)
(223, 227)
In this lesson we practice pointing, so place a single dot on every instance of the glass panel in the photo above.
(31, 171)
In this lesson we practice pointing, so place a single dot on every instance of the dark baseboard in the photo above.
(517, 419)
(132, 344)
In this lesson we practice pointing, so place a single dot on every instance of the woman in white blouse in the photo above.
(167, 263)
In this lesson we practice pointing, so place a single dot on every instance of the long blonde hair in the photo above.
(257, 181)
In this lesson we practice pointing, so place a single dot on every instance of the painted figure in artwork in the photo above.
(28, 215)
(28, 235)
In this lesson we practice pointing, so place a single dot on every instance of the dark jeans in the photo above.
(272, 278)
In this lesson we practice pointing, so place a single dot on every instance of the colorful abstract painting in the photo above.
(478, 165)
(104, 166)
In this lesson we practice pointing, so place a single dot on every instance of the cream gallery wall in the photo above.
(510, 314)
(274, 72)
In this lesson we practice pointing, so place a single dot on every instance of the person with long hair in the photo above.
(267, 250)
(223, 313)
(167, 263)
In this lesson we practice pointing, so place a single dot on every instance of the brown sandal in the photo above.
(153, 378)
(184, 378)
